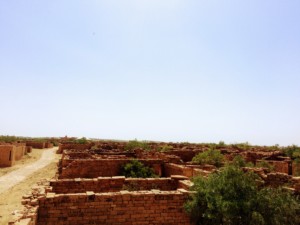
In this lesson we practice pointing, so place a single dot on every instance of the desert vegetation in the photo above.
(211, 156)
(137, 169)
(135, 144)
(233, 197)
(182, 183)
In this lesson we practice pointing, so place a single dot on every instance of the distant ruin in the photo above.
(12, 152)
(89, 188)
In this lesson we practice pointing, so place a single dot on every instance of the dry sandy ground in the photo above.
(26, 160)
(10, 200)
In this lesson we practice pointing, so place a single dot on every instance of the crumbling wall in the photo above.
(48, 145)
(92, 168)
(7, 155)
(75, 146)
(35, 144)
(28, 149)
(280, 166)
(113, 184)
(277, 166)
(174, 169)
(142, 207)
(185, 155)
(20, 151)
(277, 179)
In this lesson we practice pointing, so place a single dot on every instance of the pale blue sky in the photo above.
(169, 70)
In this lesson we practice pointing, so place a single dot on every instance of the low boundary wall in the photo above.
(93, 168)
(113, 184)
(120, 208)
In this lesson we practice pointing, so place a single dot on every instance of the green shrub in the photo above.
(274, 148)
(82, 140)
(164, 148)
(211, 156)
(292, 151)
(239, 161)
(297, 168)
(265, 164)
(137, 169)
(9, 138)
(221, 144)
(134, 144)
(243, 146)
(232, 197)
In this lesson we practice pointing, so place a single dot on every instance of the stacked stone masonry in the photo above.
(111, 184)
(90, 190)
(9, 154)
(93, 168)
(148, 207)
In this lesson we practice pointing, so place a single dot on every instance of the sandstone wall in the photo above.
(48, 145)
(121, 208)
(114, 184)
(174, 169)
(35, 144)
(279, 166)
(20, 151)
(7, 155)
(75, 146)
(28, 149)
(93, 168)
(185, 155)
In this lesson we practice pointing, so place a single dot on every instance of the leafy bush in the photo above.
(231, 197)
(239, 161)
(82, 140)
(134, 144)
(211, 156)
(292, 151)
(265, 164)
(9, 138)
(221, 144)
(137, 169)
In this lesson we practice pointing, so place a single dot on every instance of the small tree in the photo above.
(212, 156)
(238, 161)
(137, 169)
(82, 140)
(232, 197)
(292, 151)
(221, 144)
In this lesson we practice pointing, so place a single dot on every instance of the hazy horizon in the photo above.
(173, 70)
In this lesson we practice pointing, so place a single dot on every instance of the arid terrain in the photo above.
(10, 200)
(138, 182)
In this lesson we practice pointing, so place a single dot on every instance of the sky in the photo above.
(164, 70)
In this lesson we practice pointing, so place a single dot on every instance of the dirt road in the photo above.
(19, 182)
(11, 179)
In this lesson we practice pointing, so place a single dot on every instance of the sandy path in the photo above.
(15, 184)
(13, 178)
